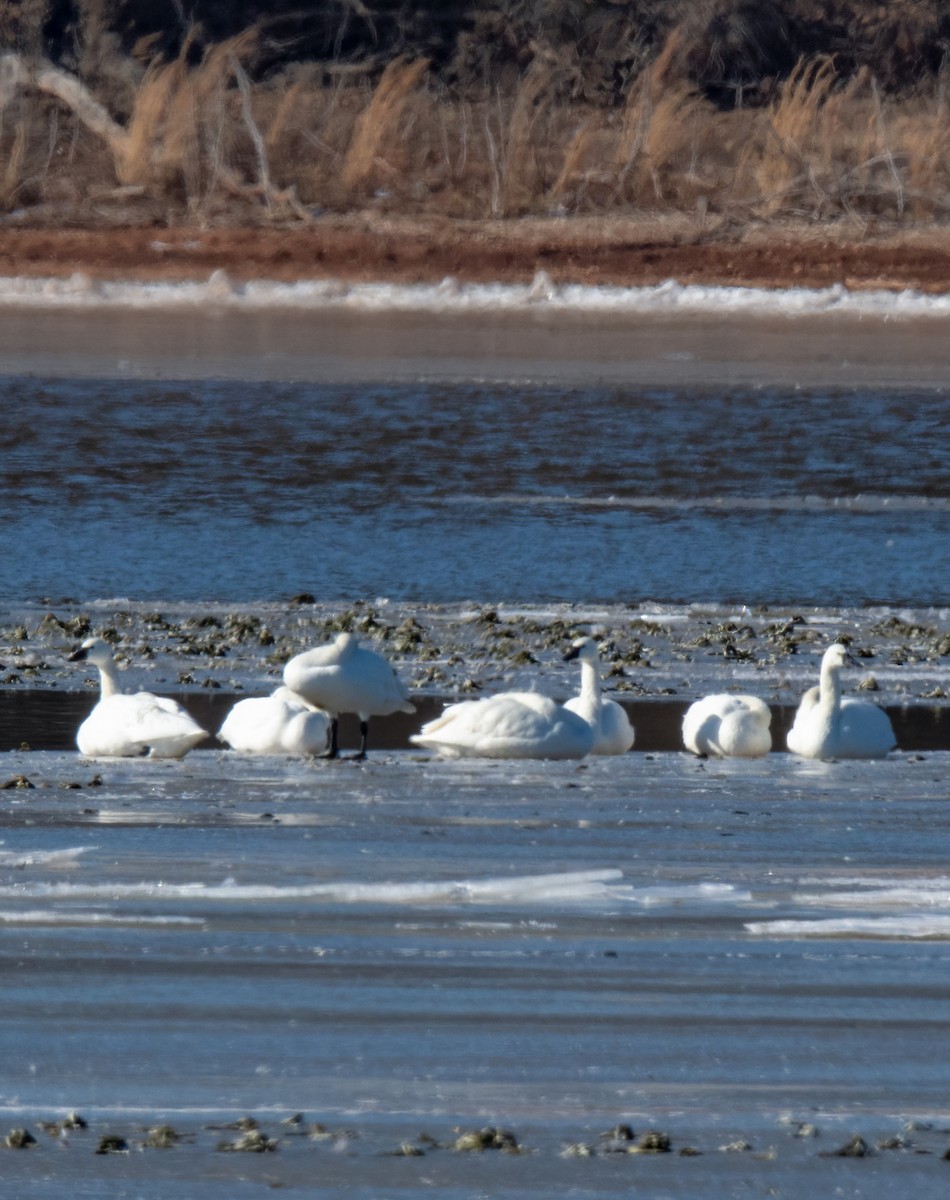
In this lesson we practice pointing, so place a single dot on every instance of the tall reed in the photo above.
(376, 129)
(180, 129)
(782, 163)
(12, 177)
(201, 136)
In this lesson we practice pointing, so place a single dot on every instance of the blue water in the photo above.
(249, 491)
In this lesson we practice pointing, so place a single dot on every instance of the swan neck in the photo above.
(831, 686)
(590, 682)
(108, 679)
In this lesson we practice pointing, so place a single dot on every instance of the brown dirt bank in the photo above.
(364, 247)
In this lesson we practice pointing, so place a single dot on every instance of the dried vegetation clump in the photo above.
(738, 110)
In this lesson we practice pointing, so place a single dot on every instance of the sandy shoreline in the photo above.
(638, 251)
(358, 340)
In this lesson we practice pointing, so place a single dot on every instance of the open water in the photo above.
(245, 491)
(749, 957)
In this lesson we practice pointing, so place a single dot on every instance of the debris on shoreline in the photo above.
(118, 1137)
(648, 650)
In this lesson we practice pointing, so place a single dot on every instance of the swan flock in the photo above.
(300, 718)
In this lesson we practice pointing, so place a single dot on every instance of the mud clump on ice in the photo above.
(468, 650)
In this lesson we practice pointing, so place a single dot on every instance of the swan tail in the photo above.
(176, 746)
(436, 745)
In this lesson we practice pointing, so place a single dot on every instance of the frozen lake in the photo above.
(716, 951)
(749, 957)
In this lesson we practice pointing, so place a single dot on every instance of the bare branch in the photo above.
(18, 72)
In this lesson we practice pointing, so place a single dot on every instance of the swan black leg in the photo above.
(333, 750)
(364, 732)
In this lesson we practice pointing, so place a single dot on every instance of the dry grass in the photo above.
(657, 142)
(521, 171)
(377, 126)
(200, 136)
(182, 130)
(922, 144)
(193, 132)
(12, 178)
(796, 135)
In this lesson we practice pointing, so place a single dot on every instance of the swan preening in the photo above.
(829, 725)
(613, 733)
(528, 725)
(282, 723)
(121, 726)
(343, 677)
(726, 726)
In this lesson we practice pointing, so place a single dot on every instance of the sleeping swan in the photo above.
(829, 725)
(343, 677)
(121, 726)
(725, 726)
(522, 724)
(613, 733)
(509, 725)
(282, 723)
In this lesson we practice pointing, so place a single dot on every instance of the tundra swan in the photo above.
(829, 725)
(345, 677)
(282, 723)
(509, 725)
(613, 733)
(124, 725)
(726, 726)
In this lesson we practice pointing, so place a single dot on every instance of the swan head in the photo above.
(583, 648)
(837, 656)
(93, 650)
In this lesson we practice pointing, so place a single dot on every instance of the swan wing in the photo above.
(701, 723)
(744, 733)
(277, 724)
(613, 733)
(510, 725)
(809, 701)
(728, 726)
(360, 681)
(804, 735)
(584, 707)
(861, 730)
(305, 733)
(864, 730)
(695, 731)
(254, 725)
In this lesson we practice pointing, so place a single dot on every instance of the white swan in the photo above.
(282, 723)
(509, 725)
(725, 726)
(613, 733)
(121, 725)
(344, 677)
(829, 725)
